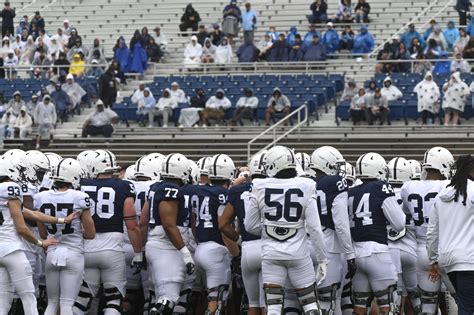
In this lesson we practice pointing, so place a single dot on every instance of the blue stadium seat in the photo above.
(342, 110)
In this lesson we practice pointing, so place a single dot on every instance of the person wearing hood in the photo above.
(55, 48)
(442, 65)
(358, 107)
(108, 87)
(350, 90)
(192, 54)
(10, 63)
(190, 19)
(451, 34)
(249, 21)
(62, 101)
(45, 117)
(264, 47)
(208, 51)
(73, 39)
(309, 36)
(154, 51)
(460, 64)
(390, 91)
(96, 48)
(363, 42)
(245, 107)
(138, 94)
(316, 51)
(15, 103)
(41, 65)
(297, 49)
(223, 54)
(77, 67)
(377, 108)
(31, 105)
(7, 15)
(23, 24)
(9, 120)
(428, 95)
(279, 50)
(164, 108)
(291, 36)
(139, 59)
(319, 9)
(277, 104)
(429, 30)
(122, 55)
(74, 90)
(145, 106)
(23, 123)
(190, 116)
(215, 108)
(247, 52)
(455, 96)
(438, 36)
(408, 36)
(370, 90)
(449, 234)
(100, 122)
(231, 17)
(178, 93)
(331, 39)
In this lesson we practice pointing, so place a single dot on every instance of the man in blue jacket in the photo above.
(316, 51)
(363, 42)
(408, 36)
(331, 39)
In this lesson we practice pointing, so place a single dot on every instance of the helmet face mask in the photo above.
(257, 164)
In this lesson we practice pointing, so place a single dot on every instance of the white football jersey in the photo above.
(282, 204)
(141, 191)
(408, 242)
(60, 204)
(30, 190)
(418, 197)
(10, 241)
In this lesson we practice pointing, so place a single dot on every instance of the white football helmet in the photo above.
(53, 159)
(416, 169)
(304, 161)
(371, 166)
(327, 159)
(176, 166)
(348, 171)
(68, 171)
(149, 166)
(103, 162)
(36, 165)
(399, 171)
(10, 167)
(129, 173)
(257, 163)
(440, 159)
(279, 158)
(221, 167)
(194, 169)
(84, 158)
(203, 165)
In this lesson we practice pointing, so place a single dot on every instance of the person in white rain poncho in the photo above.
(390, 91)
(178, 93)
(45, 117)
(23, 123)
(223, 54)
(428, 96)
(192, 54)
(163, 108)
(455, 97)
(74, 90)
(9, 120)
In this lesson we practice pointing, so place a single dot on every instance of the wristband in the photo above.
(61, 220)
(39, 243)
(185, 251)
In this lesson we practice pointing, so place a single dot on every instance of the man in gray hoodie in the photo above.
(45, 117)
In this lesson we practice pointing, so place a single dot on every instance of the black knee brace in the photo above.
(328, 294)
(427, 297)
(111, 295)
(385, 297)
(84, 298)
(274, 296)
(308, 296)
(361, 299)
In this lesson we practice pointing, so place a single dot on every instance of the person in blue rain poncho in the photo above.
(408, 36)
(247, 52)
(443, 65)
(122, 54)
(331, 39)
(139, 61)
(451, 34)
(363, 42)
(290, 38)
(308, 38)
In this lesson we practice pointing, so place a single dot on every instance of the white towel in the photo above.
(60, 257)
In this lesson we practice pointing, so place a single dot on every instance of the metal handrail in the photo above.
(300, 123)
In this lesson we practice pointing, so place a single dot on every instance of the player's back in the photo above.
(141, 191)
(282, 204)
(407, 242)
(238, 197)
(60, 204)
(10, 241)
(418, 197)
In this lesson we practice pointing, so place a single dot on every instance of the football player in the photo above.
(47, 182)
(251, 261)
(65, 261)
(284, 207)
(212, 256)
(112, 203)
(371, 205)
(402, 244)
(164, 223)
(416, 169)
(203, 165)
(418, 197)
(332, 197)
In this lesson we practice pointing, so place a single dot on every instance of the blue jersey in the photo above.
(237, 194)
(328, 187)
(166, 191)
(107, 200)
(368, 222)
(207, 203)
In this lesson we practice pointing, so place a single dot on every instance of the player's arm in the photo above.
(40, 217)
(133, 229)
(168, 211)
(252, 220)
(393, 213)
(313, 228)
(340, 217)
(88, 225)
(432, 235)
(43, 232)
(144, 219)
(192, 223)
(225, 223)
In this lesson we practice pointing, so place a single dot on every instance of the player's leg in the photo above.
(347, 306)
(274, 275)
(383, 280)
(410, 280)
(397, 294)
(302, 276)
(90, 284)
(6, 290)
(113, 275)
(33, 259)
(70, 281)
(427, 288)
(184, 296)
(251, 274)
(52, 284)
(329, 289)
(361, 287)
(133, 293)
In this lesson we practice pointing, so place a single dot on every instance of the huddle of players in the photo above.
(307, 227)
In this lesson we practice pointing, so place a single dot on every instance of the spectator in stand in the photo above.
(145, 106)
(462, 41)
(319, 10)
(78, 48)
(290, 37)
(74, 90)
(15, 104)
(61, 66)
(468, 52)
(122, 54)
(45, 117)
(164, 108)
(277, 104)
(463, 7)
(404, 55)
(408, 36)
(33, 31)
(245, 107)
(247, 52)
(433, 50)
(377, 108)
(350, 90)
(297, 49)
(178, 93)
(38, 20)
(438, 36)
(223, 53)
(346, 41)
(428, 96)
(154, 51)
(358, 107)
(7, 15)
(370, 90)
(10, 63)
(161, 39)
(9, 121)
(331, 39)
(273, 33)
(23, 24)
(416, 47)
(249, 22)
(100, 122)
(17, 46)
(67, 27)
(231, 17)
(362, 11)
(41, 65)
(192, 54)
(139, 62)
(315, 52)
(31, 105)
(309, 36)
(136, 38)
(73, 38)
(459, 64)
(62, 38)
(384, 55)
(363, 42)
(77, 67)
(208, 51)
(279, 50)
(107, 86)
(455, 97)
(344, 12)
(264, 47)
(390, 91)
(451, 34)
(190, 116)
(470, 28)
(190, 19)
(138, 95)
(202, 34)
(216, 35)
(63, 103)
(23, 124)
(96, 51)
(95, 69)
(119, 75)
(215, 108)
(145, 37)
(429, 30)
(442, 65)
(55, 48)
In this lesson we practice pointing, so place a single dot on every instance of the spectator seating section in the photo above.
(314, 90)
